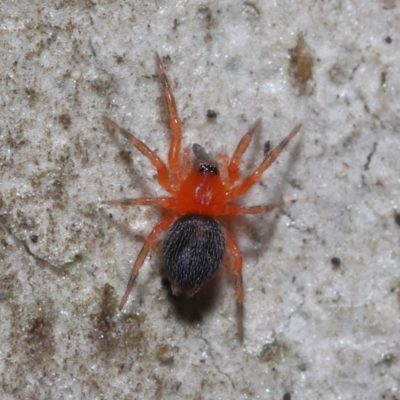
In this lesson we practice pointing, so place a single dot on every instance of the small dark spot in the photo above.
(206, 12)
(267, 147)
(335, 262)
(57, 183)
(287, 396)
(388, 359)
(163, 354)
(388, 39)
(119, 59)
(126, 156)
(30, 93)
(166, 284)
(369, 157)
(397, 219)
(211, 114)
(301, 67)
(388, 4)
(253, 8)
(383, 78)
(104, 329)
(34, 238)
(166, 59)
(270, 351)
(78, 258)
(40, 338)
(65, 120)
(302, 367)
(176, 386)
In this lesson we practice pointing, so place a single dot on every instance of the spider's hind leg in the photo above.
(237, 271)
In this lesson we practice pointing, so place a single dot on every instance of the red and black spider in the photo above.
(199, 194)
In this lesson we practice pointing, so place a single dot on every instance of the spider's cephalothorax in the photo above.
(196, 241)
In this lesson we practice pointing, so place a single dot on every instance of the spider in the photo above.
(199, 193)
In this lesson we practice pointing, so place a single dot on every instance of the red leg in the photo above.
(248, 182)
(162, 171)
(153, 237)
(233, 168)
(164, 202)
(174, 122)
(239, 210)
(237, 271)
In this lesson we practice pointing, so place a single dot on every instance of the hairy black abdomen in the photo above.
(193, 251)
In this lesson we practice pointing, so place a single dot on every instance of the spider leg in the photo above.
(162, 171)
(232, 209)
(164, 202)
(174, 121)
(237, 271)
(233, 168)
(248, 182)
(152, 238)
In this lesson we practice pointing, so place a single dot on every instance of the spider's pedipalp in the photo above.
(174, 121)
(151, 239)
(243, 187)
(162, 171)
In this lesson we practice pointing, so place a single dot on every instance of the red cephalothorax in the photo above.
(199, 194)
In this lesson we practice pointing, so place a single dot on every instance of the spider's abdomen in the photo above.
(193, 251)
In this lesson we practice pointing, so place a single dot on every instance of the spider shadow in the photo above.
(193, 309)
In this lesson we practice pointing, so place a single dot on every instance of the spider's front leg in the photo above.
(162, 171)
(174, 122)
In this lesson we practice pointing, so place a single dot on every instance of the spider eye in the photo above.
(205, 164)
(209, 169)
